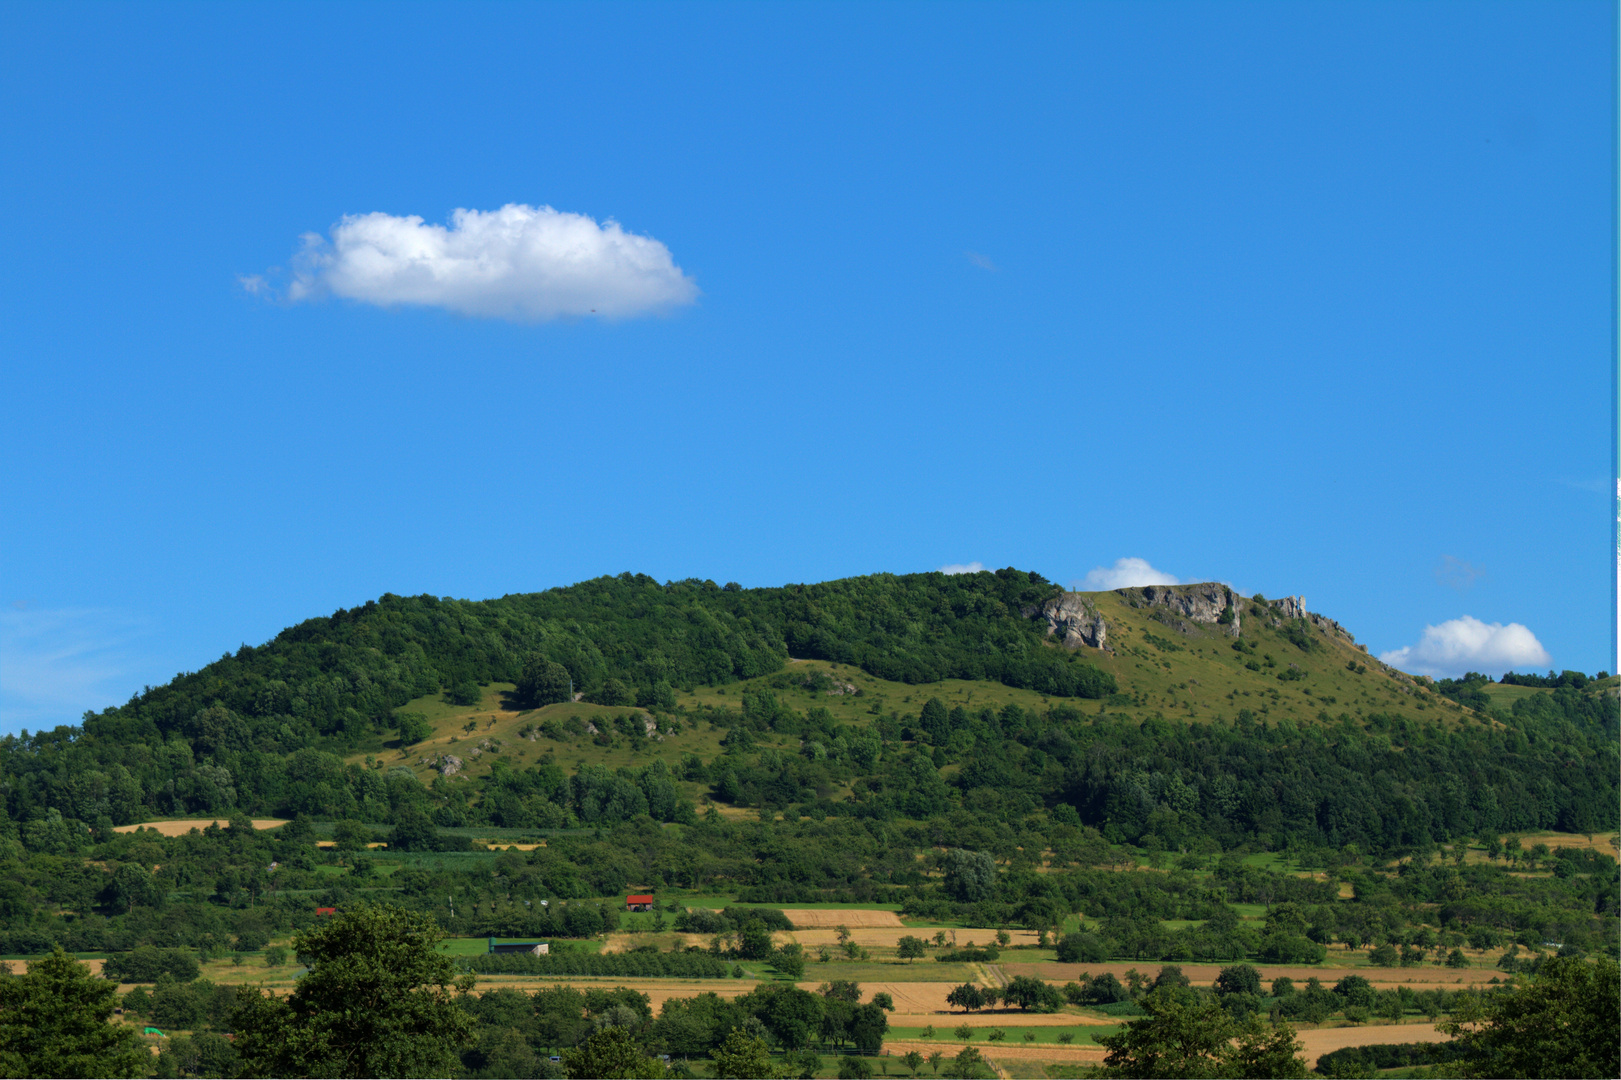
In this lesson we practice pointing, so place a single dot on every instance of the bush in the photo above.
(1081, 948)
(146, 964)
(970, 955)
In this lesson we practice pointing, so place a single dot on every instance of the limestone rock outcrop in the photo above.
(1200, 603)
(1074, 619)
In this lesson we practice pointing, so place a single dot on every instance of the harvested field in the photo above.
(851, 917)
(1605, 842)
(1427, 975)
(1323, 1040)
(182, 826)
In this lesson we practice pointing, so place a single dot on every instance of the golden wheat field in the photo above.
(806, 918)
(182, 826)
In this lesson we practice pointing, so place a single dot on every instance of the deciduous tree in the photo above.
(379, 1000)
(54, 1021)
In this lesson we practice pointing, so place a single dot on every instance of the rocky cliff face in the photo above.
(1294, 607)
(1072, 617)
(1290, 607)
(1075, 620)
(1201, 603)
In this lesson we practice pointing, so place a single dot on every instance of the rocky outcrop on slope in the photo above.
(1201, 603)
(1074, 619)
(1294, 607)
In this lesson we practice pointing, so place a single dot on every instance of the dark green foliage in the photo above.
(612, 1052)
(543, 681)
(205, 1054)
(1238, 979)
(54, 1022)
(414, 727)
(378, 1000)
(1032, 994)
(1366, 1060)
(970, 875)
(146, 964)
(1559, 1023)
(969, 955)
(1184, 1036)
(1081, 948)
(969, 997)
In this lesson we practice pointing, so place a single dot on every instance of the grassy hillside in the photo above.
(1166, 668)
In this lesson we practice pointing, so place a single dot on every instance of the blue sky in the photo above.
(1308, 298)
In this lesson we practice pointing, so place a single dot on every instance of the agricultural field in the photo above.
(181, 826)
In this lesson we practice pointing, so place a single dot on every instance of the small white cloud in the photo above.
(1125, 574)
(56, 664)
(519, 262)
(982, 262)
(1467, 644)
(962, 568)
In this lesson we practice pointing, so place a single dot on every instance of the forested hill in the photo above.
(336, 676)
(1185, 715)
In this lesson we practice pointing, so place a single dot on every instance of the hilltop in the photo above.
(1186, 715)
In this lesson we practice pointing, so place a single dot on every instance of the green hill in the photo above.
(814, 743)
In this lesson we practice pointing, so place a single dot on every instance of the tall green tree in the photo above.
(1562, 1023)
(543, 682)
(611, 1054)
(379, 1000)
(745, 1057)
(1185, 1036)
(54, 1021)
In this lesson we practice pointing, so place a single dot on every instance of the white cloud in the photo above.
(982, 262)
(56, 664)
(1125, 574)
(1467, 644)
(962, 568)
(519, 262)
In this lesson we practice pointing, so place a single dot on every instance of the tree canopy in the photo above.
(54, 1022)
(378, 1000)
(1560, 1022)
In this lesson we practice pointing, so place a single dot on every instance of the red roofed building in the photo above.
(639, 902)
(326, 911)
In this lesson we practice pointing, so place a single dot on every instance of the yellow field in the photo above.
(1323, 1040)
(852, 918)
(182, 826)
